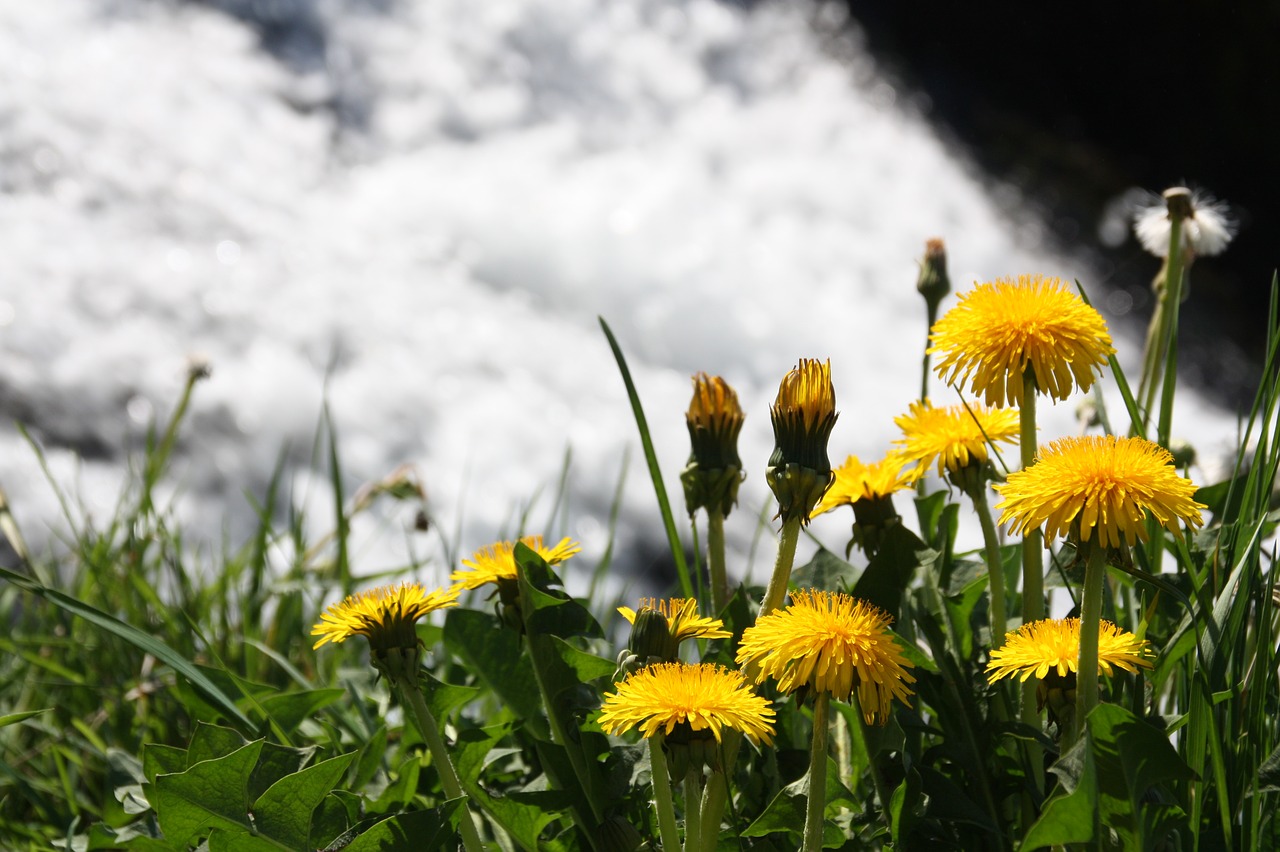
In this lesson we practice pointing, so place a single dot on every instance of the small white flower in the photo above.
(1207, 231)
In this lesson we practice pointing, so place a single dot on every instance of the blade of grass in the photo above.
(142, 641)
(651, 458)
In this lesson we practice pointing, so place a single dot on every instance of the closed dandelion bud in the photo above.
(934, 283)
(651, 638)
(1184, 455)
(714, 472)
(803, 416)
(661, 625)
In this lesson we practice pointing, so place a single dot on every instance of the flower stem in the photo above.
(1032, 569)
(995, 565)
(714, 797)
(1168, 345)
(817, 804)
(693, 809)
(777, 591)
(662, 804)
(430, 731)
(1090, 614)
(715, 559)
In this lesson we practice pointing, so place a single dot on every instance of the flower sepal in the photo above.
(798, 488)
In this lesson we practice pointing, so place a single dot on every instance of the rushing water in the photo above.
(417, 211)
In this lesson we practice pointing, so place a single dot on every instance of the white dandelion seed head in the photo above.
(1207, 231)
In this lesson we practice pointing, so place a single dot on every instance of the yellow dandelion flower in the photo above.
(833, 643)
(386, 615)
(704, 697)
(497, 562)
(856, 481)
(803, 416)
(683, 621)
(1102, 484)
(999, 330)
(954, 436)
(1052, 646)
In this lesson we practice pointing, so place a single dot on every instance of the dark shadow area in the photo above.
(1074, 105)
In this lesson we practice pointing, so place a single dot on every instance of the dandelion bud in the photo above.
(651, 638)
(934, 283)
(714, 472)
(803, 416)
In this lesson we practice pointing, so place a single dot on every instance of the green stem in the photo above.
(714, 797)
(693, 809)
(662, 804)
(715, 560)
(995, 565)
(430, 731)
(1169, 346)
(777, 591)
(1090, 614)
(817, 804)
(1032, 570)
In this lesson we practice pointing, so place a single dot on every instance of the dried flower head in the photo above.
(1207, 224)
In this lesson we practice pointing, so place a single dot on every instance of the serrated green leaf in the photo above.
(210, 794)
(586, 666)
(333, 816)
(212, 741)
(399, 793)
(283, 813)
(372, 753)
(162, 760)
(276, 762)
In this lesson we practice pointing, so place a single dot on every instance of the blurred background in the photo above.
(414, 213)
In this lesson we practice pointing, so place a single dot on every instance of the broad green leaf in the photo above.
(419, 831)
(891, 570)
(212, 741)
(493, 653)
(523, 822)
(283, 813)
(399, 793)
(277, 762)
(1067, 817)
(588, 667)
(290, 708)
(334, 815)
(210, 794)
(825, 571)
(372, 754)
(162, 760)
(444, 699)
(224, 840)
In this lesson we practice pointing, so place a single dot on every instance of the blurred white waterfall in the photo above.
(417, 211)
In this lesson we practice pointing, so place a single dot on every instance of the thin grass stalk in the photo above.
(816, 806)
(663, 806)
(430, 731)
(776, 593)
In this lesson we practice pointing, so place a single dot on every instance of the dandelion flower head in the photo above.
(683, 620)
(955, 436)
(385, 615)
(833, 643)
(1000, 330)
(1053, 645)
(497, 562)
(1105, 485)
(658, 698)
(856, 481)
